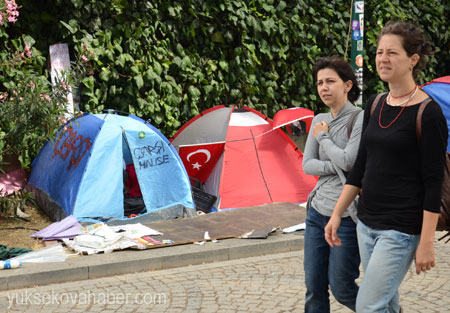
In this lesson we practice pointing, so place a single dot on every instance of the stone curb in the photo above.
(132, 261)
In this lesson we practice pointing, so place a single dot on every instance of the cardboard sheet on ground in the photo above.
(226, 224)
(259, 234)
(230, 224)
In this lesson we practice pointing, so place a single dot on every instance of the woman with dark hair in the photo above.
(400, 177)
(330, 152)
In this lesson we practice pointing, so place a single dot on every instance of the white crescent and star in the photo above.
(204, 151)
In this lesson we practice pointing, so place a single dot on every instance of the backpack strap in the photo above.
(444, 215)
(422, 107)
(351, 122)
(376, 101)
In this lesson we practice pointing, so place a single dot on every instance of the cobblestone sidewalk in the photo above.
(272, 283)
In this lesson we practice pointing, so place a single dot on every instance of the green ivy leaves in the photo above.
(168, 60)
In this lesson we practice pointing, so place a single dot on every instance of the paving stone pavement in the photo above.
(271, 283)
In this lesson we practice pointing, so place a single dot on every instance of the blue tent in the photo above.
(439, 90)
(81, 172)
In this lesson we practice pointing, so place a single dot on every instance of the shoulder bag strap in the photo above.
(375, 102)
(351, 122)
(422, 107)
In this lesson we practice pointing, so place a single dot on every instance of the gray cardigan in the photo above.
(329, 156)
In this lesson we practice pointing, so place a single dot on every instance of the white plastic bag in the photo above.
(54, 253)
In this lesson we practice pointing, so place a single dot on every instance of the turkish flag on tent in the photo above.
(199, 160)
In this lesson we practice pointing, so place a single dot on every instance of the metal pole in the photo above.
(357, 44)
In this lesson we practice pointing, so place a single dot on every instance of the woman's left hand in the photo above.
(424, 257)
(320, 127)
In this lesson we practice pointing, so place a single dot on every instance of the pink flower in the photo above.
(11, 6)
(64, 85)
(28, 51)
(32, 85)
(45, 97)
(83, 58)
(11, 11)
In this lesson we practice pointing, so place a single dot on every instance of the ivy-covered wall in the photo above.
(168, 60)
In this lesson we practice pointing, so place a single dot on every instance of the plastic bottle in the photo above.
(10, 264)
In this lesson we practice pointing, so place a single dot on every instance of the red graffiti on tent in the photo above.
(72, 143)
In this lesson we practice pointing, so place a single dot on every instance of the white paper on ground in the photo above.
(136, 230)
(123, 243)
(291, 229)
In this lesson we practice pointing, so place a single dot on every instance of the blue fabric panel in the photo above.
(101, 190)
(59, 167)
(162, 179)
(441, 93)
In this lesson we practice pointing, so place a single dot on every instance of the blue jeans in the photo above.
(337, 267)
(386, 256)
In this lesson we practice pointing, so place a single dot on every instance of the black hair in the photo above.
(344, 71)
(413, 41)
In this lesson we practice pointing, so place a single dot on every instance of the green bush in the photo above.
(168, 60)
(31, 109)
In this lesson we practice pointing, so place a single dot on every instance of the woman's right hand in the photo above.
(331, 231)
(320, 127)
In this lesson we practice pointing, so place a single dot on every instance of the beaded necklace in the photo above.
(401, 111)
(399, 97)
(407, 94)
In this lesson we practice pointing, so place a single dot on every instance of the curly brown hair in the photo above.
(413, 41)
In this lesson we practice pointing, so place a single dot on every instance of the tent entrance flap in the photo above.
(132, 187)
(162, 182)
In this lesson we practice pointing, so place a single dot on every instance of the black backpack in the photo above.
(444, 216)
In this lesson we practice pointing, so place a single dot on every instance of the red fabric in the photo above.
(256, 173)
(443, 79)
(200, 160)
(132, 183)
(288, 116)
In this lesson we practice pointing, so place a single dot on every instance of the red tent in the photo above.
(243, 158)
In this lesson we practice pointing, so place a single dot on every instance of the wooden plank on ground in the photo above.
(231, 223)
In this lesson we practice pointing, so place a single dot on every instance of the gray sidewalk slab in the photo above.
(132, 261)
